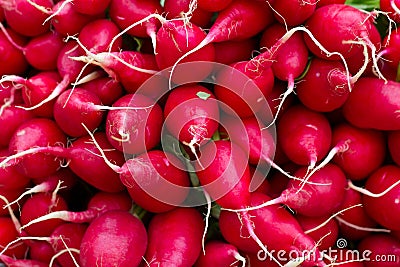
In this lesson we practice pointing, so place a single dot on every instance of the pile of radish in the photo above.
(199, 133)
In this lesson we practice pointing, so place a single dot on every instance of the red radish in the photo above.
(392, 7)
(10, 178)
(174, 39)
(365, 150)
(41, 132)
(135, 130)
(66, 20)
(390, 50)
(277, 229)
(243, 94)
(124, 14)
(32, 25)
(329, 2)
(114, 238)
(100, 203)
(97, 35)
(345, 257)
(383, 208)
(381, 250)
(40, 251)
(11, 118)
(12, 60)
(8, 234)
(106, 88)
(305, 135)
(213, 5)
(219, 253)
(394, 146)
(67, 235)
(187, 9)
(12, 262)
(230, 52)
(191, 114)
(76, 107)
(293, 12)
(174, 238)
(236, 22)
(373, 94)
(39, 205)
(354, 223)
(325, 236)
(324, 86)
(93, 7)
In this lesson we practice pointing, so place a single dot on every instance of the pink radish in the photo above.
(243, 94)
(41, 132)
(100, 203)
(324, 86)
(174, 39)
(11, 118)
(230, 52)
(219, 253)
(12, 262)
(191, 114)
(293, 12)
(97, 35)
(390, 50)
(187, 9)
(365, 150)
(277, 229)
(137, 128)
(174, 238)
(12, 60)
(373, 94)
(93, 7)
(32, 25)
(124, 14)
(394, 145)
(106, 88)
(39, 205)
(383, 208)
(10, 178)
(321, 3)
(66, 20)
(305, 135)
(213, 5)
(8, 233)
(116, 237)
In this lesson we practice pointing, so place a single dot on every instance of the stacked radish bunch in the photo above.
(199, 133)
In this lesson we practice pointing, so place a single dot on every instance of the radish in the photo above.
(390, 51)
(93, 7)
(8, 234)
(67, 236)
(41, 132)
(10, 178)
(188, 9)
(305, 135)
(219, 253)
(392, 7)
(243, 94)
(12, 60)
(174, 238)
(324, 86)
(373, 94)
(11, 118)
(50, 44)
(355, 224)
(235, 22)
(66, 20)
(12, 262)
(173, 40)
(116, 237)
(365, 150)
(213, 5)
(382, 208)
(100, 203)
(277, 229)
(383, 250)
(106, 88)
(293, 12)
(125, 13)
(230, 52)
(345, 257)
(32, 25)
(394, 144)
(136, 130)
(191, 115)
(321, 3)
(97, 35)
(39, 205)
(40, 251)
